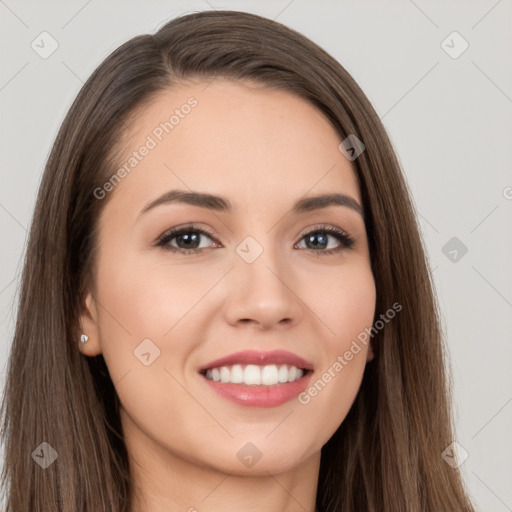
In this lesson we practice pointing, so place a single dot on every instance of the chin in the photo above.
(254, 461)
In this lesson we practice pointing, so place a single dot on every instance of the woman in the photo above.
(184, 340)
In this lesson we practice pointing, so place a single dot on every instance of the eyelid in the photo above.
(186, 227)
(322, 227)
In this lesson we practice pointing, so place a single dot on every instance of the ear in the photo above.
(89, 325)
(370, 354)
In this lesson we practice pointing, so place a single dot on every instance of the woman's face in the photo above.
(163, 315)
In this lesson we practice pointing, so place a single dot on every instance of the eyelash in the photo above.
(347, 242)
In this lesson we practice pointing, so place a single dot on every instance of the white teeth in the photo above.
(225, 374)
(270, 375)
(237, 374)
(253, 375)
(283, 374)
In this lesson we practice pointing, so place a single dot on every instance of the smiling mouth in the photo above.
(255, 375)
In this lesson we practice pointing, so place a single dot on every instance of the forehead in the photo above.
(238, 139)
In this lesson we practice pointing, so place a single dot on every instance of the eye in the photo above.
(188, 239)
(318, 237)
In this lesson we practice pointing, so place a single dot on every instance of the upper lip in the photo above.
(260, 358)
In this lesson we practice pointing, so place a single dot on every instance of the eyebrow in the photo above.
(222, 204)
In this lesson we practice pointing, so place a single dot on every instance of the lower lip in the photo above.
(260, 396)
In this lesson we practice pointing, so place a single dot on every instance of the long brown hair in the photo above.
(386, 455)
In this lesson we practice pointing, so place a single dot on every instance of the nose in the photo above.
(263, 293)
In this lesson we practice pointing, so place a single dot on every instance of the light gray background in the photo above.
(449, 120)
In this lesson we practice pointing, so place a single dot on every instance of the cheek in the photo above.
(140, 302)
(348, 308)
(345, 303)
(149, 299)
(350, 314)
(145, 310)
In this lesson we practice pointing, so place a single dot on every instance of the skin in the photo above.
(262, 149)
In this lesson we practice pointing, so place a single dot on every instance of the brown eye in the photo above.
(187, 239)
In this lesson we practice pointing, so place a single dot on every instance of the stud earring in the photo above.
(83, 339)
